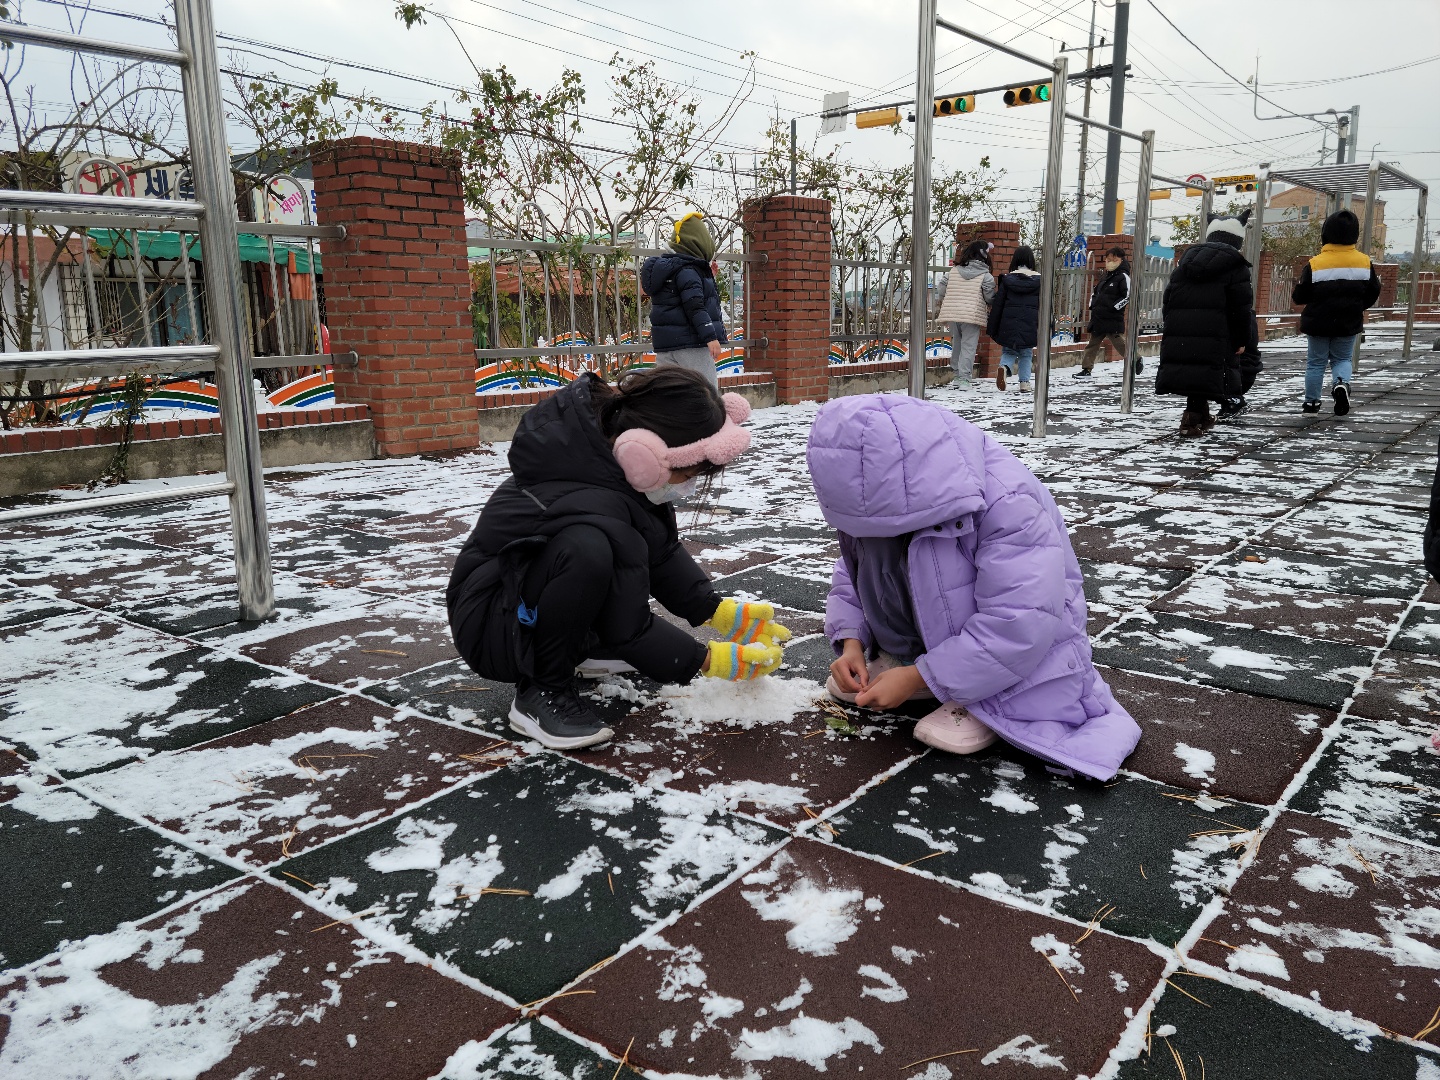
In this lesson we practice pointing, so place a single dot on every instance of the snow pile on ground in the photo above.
(746, 705)
(820, 917)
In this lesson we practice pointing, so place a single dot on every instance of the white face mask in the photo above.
(671, 492)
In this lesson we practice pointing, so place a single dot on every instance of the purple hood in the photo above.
(995, 586)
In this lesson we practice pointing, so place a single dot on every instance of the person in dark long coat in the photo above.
(1015, 317)
(1209, 319)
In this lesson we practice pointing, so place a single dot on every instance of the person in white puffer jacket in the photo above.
(963, 300)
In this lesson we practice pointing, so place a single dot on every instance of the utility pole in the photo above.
(1344, 129)
(920, 208)
(1117, 114)
(1085, 128)
(793, 189)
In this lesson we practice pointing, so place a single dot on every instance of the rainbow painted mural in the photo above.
(191, 396)
(307, 392)
(937, 347)
(539, 373)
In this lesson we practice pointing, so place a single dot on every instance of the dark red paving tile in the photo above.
(18, 774)
(1227, 744)
(824, 961)
(282, 787)
(389, 640)
(1404, 687)
(1383, 533)
(241, 982)
(1143, 546)
(1345, 917)
(412, 570)
(106, 570)
(434, 527)
(1114, 589)
(1356, 620)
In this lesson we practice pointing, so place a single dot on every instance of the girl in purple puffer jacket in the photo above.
(957, 582)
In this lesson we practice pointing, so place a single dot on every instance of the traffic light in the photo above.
(1027, 95)
(1245, 187)
(877, 118)
(955, 105)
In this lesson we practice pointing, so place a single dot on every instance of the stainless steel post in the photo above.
(1137, 272)
(920, 209)
(1367, 232)
(205, 122)
(1256, 240)
(1416, 258)
(1050, 243)
(1207, 206)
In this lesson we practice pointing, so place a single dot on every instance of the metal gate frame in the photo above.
(213, 216)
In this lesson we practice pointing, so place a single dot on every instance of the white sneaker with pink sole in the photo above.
(953, 729)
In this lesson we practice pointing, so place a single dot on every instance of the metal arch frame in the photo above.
(214, 218)
(924, 123)
(1378, 176)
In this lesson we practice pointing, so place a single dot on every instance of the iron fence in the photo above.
(1282, 284)
(549, 309)
(870, 307)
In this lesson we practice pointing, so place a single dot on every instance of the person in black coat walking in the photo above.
(1209, 320)
(686, 325)
(1014, 319)
(568, 551)
(1108, 304)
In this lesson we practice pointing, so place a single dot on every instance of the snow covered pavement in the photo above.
(312, 847)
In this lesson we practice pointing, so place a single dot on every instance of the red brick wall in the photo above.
(790, 293)
(29, 440)
(397, 291)
(1389, 281)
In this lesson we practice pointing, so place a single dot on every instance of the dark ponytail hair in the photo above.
(1023, 256)
(677, 404)
(976, 249)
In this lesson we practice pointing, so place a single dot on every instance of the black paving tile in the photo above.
(1323, 573)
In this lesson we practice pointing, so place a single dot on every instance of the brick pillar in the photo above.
(1265, 272)
(790, 293)
(1389, 281)
(397, 291)
(1005, 235)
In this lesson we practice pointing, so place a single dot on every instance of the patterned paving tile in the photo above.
(1000, 822)
(1318, 673)
(380, 642)
(444, 527)
(1143, 546)
(1113, 589)
(241, 982)
(1323, 573)
(528, 1050)
(1342, 916)
(1420, 632)
(21, 606)
(1229, 1032)
(1403, 688)
(75, 869)
(1355, 620)
(77, 646)
(1381, 533)
(565, 834)
(819, 961)
(1378, 775)
(451, 691)
(1229, 745)
(421, 573)
(278, 789)
(80, 724)
(719, 560)
(802, 588)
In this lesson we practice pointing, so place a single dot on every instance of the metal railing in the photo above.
(870, 306)
(211, 220)
(1282, 284)
(556, 308)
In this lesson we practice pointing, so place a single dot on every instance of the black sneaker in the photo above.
(1341, 394)
(1139, 366)
(1083, 373)
(556, 718)
(1232, 407)
(1310, 407)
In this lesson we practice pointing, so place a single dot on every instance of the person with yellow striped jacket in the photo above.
(1336, 287)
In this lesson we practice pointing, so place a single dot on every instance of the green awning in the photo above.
(166, 245)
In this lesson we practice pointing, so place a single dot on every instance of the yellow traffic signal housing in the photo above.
(1159, 193)
(955, 105)
(1244, 187)
(877, 118)
(1027, 95)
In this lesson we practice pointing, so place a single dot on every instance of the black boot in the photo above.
(1232, 407)
(557, 718)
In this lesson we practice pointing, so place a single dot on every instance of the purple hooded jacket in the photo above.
(996, 588)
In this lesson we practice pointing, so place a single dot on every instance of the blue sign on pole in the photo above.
(1078, 253)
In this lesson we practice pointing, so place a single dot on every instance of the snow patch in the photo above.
(1197, 762)
(1026, 1051)
(1260, 959)
(820, 918)
(806, 1039)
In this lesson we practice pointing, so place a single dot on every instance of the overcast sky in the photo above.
(1312, 55)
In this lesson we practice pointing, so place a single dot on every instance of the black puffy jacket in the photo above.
(1208, 316)
(1015, 312)
(1336, 287)
(1431, 542)
(1109, 301)
(563, 474)
(684, 302)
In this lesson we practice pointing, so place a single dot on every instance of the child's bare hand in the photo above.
(715, 349)
(849, 668)
(891, 688)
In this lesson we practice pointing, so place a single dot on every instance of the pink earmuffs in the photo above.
(647, 461)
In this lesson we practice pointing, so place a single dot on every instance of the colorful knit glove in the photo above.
(746, 623)
(741, 663)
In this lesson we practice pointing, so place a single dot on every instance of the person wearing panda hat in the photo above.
(1209, 321)
(568, 551)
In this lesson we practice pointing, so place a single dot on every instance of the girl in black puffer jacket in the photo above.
(686, 326)
(1209, 318)
(1015, 317)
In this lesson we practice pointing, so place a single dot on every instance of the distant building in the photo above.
(1301, 205)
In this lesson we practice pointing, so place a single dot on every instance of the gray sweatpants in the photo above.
(694, 359)
(964, 341)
